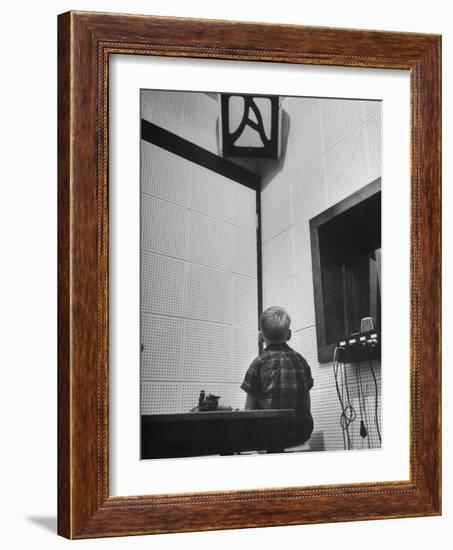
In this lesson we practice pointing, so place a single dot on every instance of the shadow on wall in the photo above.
(270, 168)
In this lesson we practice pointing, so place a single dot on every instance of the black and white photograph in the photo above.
(260, 291)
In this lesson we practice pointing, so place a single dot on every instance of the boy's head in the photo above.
(274, 323)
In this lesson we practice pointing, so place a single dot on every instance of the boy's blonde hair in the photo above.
(275, 323)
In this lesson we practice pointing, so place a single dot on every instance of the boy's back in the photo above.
(280, 378)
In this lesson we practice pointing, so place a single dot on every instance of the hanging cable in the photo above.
(335, 373)
(365, 413)
(348, 414)
(363, 429)
(346, 424)
(375, 402)
(349, 406)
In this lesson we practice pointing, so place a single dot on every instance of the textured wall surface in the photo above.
(331, 148)
(198, 266)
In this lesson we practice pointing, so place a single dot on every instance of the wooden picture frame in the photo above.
(85, 42)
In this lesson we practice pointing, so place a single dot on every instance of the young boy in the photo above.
(280, 378)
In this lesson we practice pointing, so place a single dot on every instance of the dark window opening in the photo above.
(346, 251)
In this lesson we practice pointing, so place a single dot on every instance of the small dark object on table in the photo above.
(209, 403)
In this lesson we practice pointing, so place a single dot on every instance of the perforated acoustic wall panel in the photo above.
(162, 339)
(199, 307)
(164, 227)
(166, 179)
(163, 282)
(207, 352)
(192, 116)
(331, 149)
(211, 242)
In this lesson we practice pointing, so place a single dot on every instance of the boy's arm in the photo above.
(251, 402)
(252, 385)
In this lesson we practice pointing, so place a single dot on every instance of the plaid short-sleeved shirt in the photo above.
(280, 378)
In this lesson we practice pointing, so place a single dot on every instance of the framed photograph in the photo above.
(249, 275)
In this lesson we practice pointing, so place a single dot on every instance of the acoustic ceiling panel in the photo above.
(278, 259)
(163, 174)
(161, 356)
(210, 242)
(245, 252)
(308, 191)
(207, 352)
(162, 284)
(245, 305)
(209, 294)
(160, 397)
(164, 227)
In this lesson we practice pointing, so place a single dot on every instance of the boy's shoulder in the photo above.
(269, 354)
(291, 353)
(258, 360)
(284, 350)
(297, 355)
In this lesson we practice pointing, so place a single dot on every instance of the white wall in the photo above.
(198, 265)
(332, 149)
(28, 276)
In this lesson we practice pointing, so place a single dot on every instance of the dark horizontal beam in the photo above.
(194, 153)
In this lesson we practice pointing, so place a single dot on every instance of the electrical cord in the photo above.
(349, 406)
(346, 424)
(363, 431)
(364, 424)
(348, 413)
(345, 433)
(375, 402)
